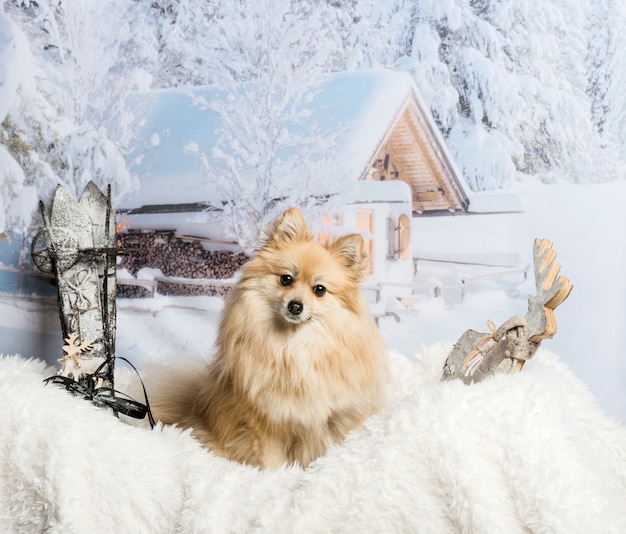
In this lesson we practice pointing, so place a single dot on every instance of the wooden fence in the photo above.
(372, 291)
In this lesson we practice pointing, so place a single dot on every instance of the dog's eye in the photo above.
(319, 290)
(286, 279)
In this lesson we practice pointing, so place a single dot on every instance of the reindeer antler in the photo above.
(551, 291)
(72, 350)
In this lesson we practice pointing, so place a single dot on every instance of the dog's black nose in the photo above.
(295, 307)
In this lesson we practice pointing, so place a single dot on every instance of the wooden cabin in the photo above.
(383, 135)
(413, 151)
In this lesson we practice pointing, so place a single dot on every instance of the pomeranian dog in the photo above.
(299, 360)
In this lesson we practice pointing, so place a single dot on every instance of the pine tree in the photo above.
(606, 76)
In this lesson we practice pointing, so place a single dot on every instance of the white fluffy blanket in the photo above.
(529, 452)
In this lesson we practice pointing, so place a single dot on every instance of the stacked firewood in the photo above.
(178, 257)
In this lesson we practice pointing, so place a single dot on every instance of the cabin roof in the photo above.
(377, 118)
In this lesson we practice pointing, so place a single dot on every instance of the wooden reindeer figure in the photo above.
(505, 349)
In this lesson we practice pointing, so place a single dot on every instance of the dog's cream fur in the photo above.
(299, 360)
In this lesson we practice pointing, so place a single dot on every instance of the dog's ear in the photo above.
(291, 226)
(350, 250)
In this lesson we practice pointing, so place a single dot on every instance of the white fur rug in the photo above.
(525, 453)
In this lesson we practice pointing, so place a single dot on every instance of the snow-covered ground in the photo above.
(587, 225)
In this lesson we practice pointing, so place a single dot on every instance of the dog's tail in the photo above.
(172, 387)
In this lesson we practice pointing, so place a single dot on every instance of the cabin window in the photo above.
(404, 237)
(392, 238)
(329, 225)
(365, 223)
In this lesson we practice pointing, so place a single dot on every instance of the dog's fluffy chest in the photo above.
(307, 379)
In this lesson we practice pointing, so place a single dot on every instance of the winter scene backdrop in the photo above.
(527, 95)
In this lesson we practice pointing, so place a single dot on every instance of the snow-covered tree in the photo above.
(93, 54)
(24, 131)
(182, 30)
(266, 57)
(531, 86)
(60, 78)
(370, 32)
(606, 73)
(507, 81)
